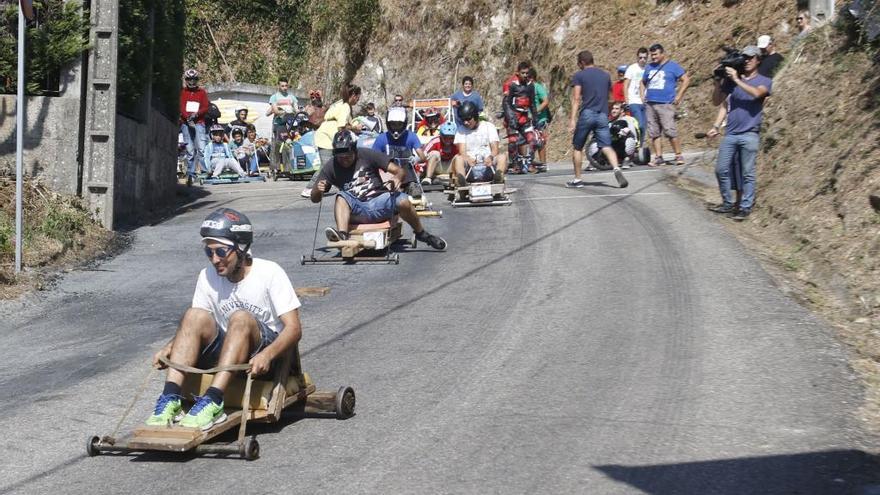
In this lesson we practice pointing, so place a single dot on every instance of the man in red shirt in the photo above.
(617, 93)
(520, 113)
(194, 105)
(440, 151)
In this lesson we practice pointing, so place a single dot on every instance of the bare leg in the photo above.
(609, 153)
(196, 331)
(501, 162)
(343, 213)
(242, 335)
(408, 213)
(658, 148)
(577, 159)
(676, 145)
(433, 160)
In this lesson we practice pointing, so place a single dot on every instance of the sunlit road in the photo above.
(597, 341)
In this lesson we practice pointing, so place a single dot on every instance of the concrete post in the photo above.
(100, 126)
(822, 11)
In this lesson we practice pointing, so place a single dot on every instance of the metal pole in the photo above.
(19, 140)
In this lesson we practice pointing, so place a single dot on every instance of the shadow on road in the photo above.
(836, 471)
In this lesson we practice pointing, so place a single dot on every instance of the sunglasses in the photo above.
(222, 252)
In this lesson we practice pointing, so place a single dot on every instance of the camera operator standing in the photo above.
(742, 96)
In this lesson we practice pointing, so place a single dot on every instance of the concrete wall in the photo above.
(50, 140)
(145, 175)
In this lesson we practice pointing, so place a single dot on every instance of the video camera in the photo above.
(734, 59)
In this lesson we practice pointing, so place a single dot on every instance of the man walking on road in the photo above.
(662, 89)
(590, 88)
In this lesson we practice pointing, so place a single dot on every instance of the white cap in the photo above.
(764, 41)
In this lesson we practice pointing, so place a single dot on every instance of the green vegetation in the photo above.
(7, 234)
(149, 30)
(56, 38)
(268, 39)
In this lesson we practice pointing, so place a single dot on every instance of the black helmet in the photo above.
(228, 226)
(343, 142)
(301, 121)
(467, 111)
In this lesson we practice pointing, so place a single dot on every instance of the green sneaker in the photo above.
(204, 414)
(168, 411)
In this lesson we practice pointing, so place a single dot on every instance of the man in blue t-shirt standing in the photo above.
(589, 113)
(741, 97)
(466, 93)
(663, 85)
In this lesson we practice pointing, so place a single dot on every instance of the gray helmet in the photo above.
(228, 226)
(343, 142)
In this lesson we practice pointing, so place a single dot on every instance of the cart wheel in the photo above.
(201, 182)
(414, 243)
(250, 449)
(345, 402)
(92, 446)
(302, 259)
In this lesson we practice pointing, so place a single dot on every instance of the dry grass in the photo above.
(58, 232)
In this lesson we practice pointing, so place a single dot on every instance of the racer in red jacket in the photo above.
(194, 105)
(520, 113)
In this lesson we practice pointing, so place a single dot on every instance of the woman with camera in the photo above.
(742, 94)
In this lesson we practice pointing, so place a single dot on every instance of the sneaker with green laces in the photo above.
(168, 411)
(204, 414)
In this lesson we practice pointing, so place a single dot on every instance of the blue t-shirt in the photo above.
(661, 87)
(402, 147)
(474, 98)
(745, 112)
(595, 85)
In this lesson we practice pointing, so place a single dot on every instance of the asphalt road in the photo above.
(597, 341)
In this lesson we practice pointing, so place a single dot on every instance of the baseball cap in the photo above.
(751, 51)
(764, 40)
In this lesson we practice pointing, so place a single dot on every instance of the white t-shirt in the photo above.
(477, 140)
(266, 293)
(634, 73)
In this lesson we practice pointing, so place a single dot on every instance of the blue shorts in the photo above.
(210, 355)
(595, 122)
(375, 210)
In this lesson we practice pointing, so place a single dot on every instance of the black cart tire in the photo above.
(302, 259)
(250, 450)
(92, 446)
(345, 402)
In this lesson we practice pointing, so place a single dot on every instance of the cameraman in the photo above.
(743, 98)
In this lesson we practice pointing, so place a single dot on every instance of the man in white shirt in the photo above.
(244, 310)
(631, 89)
(478, 158)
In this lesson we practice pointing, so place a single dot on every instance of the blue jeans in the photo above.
(744, 146)
(638, 111)
(374, 210)
(194, 146)
(590, 121)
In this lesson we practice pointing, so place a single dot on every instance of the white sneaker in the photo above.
(306, 193)
(426, 181)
